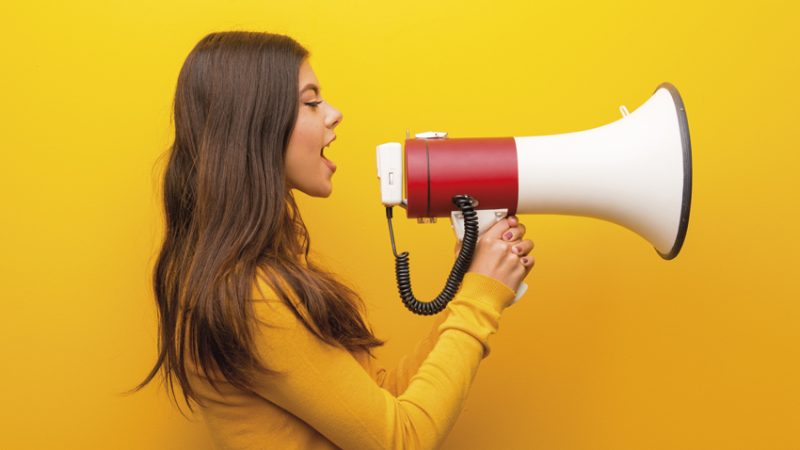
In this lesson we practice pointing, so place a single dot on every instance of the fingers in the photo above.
(502, 253)
(500, 229)
(522, 248)
(528, 262)
(514, 233)
(497, 230)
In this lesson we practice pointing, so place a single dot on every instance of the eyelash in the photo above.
(314, 104)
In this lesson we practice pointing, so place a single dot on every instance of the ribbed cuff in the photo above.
(481, 288)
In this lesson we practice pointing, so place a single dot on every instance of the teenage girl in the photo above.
(273, 349)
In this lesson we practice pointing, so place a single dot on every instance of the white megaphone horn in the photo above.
(635, 172)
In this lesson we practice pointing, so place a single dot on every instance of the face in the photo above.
(307, 169)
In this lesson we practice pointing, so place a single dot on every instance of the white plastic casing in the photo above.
(390, 172)
(630, 172)
(486, 219)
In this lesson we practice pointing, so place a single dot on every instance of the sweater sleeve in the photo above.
(327, 388)
(396, 379)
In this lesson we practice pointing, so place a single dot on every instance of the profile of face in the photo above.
(307, 169)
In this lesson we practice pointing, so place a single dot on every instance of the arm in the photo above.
(327, 388)
(396, 379)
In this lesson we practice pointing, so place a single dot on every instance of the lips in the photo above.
(327, 161)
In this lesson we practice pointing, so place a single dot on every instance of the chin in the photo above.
(319, 192)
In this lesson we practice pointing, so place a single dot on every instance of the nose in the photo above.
(334, 117)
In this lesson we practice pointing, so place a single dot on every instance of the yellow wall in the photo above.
(613, 348)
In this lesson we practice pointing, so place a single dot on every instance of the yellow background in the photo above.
(612, 348)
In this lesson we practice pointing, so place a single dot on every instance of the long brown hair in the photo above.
(229, 213)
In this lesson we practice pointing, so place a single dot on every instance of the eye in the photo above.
(313, 104)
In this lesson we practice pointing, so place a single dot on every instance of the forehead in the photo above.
(307, 78)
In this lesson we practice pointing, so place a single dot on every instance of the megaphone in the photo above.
(635, 172)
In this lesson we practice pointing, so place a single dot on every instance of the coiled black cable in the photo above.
(467, 206)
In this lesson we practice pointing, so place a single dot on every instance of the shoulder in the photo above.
(263, 288)
(272, 310)
(285, 333)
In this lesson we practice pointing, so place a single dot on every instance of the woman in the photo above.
(272, 348)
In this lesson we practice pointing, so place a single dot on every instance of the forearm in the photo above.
(396, 379)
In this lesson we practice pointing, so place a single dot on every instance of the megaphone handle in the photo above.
(486, 218)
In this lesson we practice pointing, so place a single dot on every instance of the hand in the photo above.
(501, 253)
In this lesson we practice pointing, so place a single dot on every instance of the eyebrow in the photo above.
(311, 86)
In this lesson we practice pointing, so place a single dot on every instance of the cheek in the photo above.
(303, 152)
(305, 138)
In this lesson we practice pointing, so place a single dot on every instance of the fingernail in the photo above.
(507, 236)
(515, 249)
(524, 260)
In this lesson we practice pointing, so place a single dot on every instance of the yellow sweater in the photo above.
(326, 397)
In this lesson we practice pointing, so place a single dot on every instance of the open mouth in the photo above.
(327, 161)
